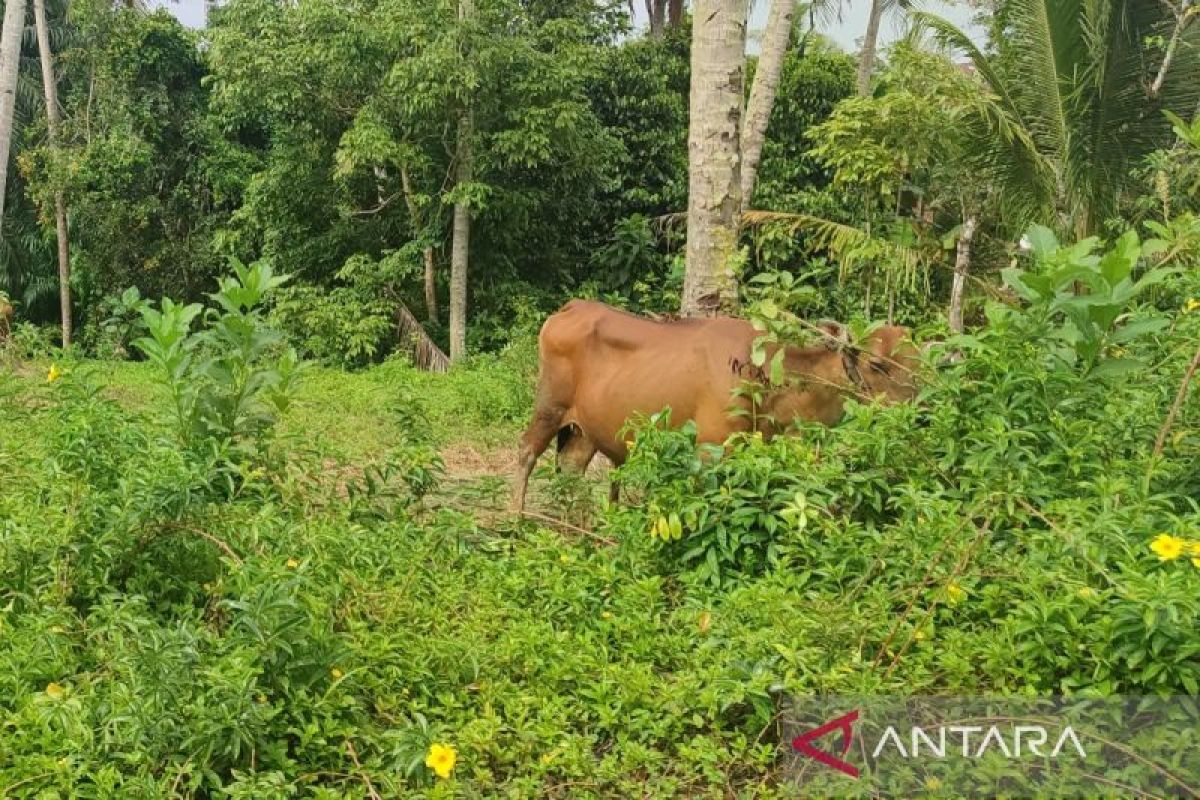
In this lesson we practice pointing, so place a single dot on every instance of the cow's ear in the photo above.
(834, 334)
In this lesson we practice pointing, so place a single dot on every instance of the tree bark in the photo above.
(762, 92)
(674, 13)
(714, 155)
(10, 60)
(50, 86)
(962, 266)
(657, 9)
(431, 301)
(461, 240)
(866, 59)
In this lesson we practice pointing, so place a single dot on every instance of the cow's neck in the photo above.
(817, 385)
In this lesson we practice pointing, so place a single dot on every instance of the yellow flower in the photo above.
(932, 783)
(1196, 562)
(564, 558)
(336, 673)
(441, 759)
(1167, 547)
(292, 563)
(1086, 592)
(955, 593)
(919, 636)
(54, 374)
(55, 690)
(605, 615)
(1192, 305)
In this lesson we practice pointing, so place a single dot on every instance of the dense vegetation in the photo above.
(251, 548)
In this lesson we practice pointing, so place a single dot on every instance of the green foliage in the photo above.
(148, 175)
(1015, 508)
(721, 517)
(292, 588)
(111, 335)
(334, 326)
(230, 381)
(1065, 116)
(27, 340)
(813, 83)
(1077, 298)
(993, 538)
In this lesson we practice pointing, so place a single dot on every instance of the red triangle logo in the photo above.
(844, 723)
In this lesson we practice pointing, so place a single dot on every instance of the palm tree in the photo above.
(776, 38)
(714, 154)
(1075, 100)
(870, 46)
(10, 62)
(50, 86)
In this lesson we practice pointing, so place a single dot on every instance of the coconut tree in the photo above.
(776, 37)
(50, 87)
(1075, 95)
(714, 154)
(870, 46)
(10, 62)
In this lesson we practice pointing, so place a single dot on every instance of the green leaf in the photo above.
(1134, 330)
(777, 373)
(1042, 240)
(1117, 367)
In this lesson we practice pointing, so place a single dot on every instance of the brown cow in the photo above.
(6, 318)
(601, 366)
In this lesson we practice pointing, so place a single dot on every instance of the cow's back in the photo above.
(604, 366)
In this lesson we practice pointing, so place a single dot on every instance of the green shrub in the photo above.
(230, 381)
(334, 326)
(113, 333)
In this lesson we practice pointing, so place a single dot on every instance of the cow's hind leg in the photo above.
(547, 422)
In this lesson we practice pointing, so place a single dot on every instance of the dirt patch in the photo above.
(465, 460)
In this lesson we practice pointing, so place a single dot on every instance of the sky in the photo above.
(846, 33)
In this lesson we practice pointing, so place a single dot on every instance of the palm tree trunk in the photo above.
(714, 155)
(461, 239)
(962, 265)
(50, 86)
(762, 92)
(10, 60)
(866, 60)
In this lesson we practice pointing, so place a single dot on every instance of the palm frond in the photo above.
(421, 349)
(954, 38)
(838, 238)
(1043, 50)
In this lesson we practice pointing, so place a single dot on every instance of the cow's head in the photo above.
(886, 363)
(882, 366)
